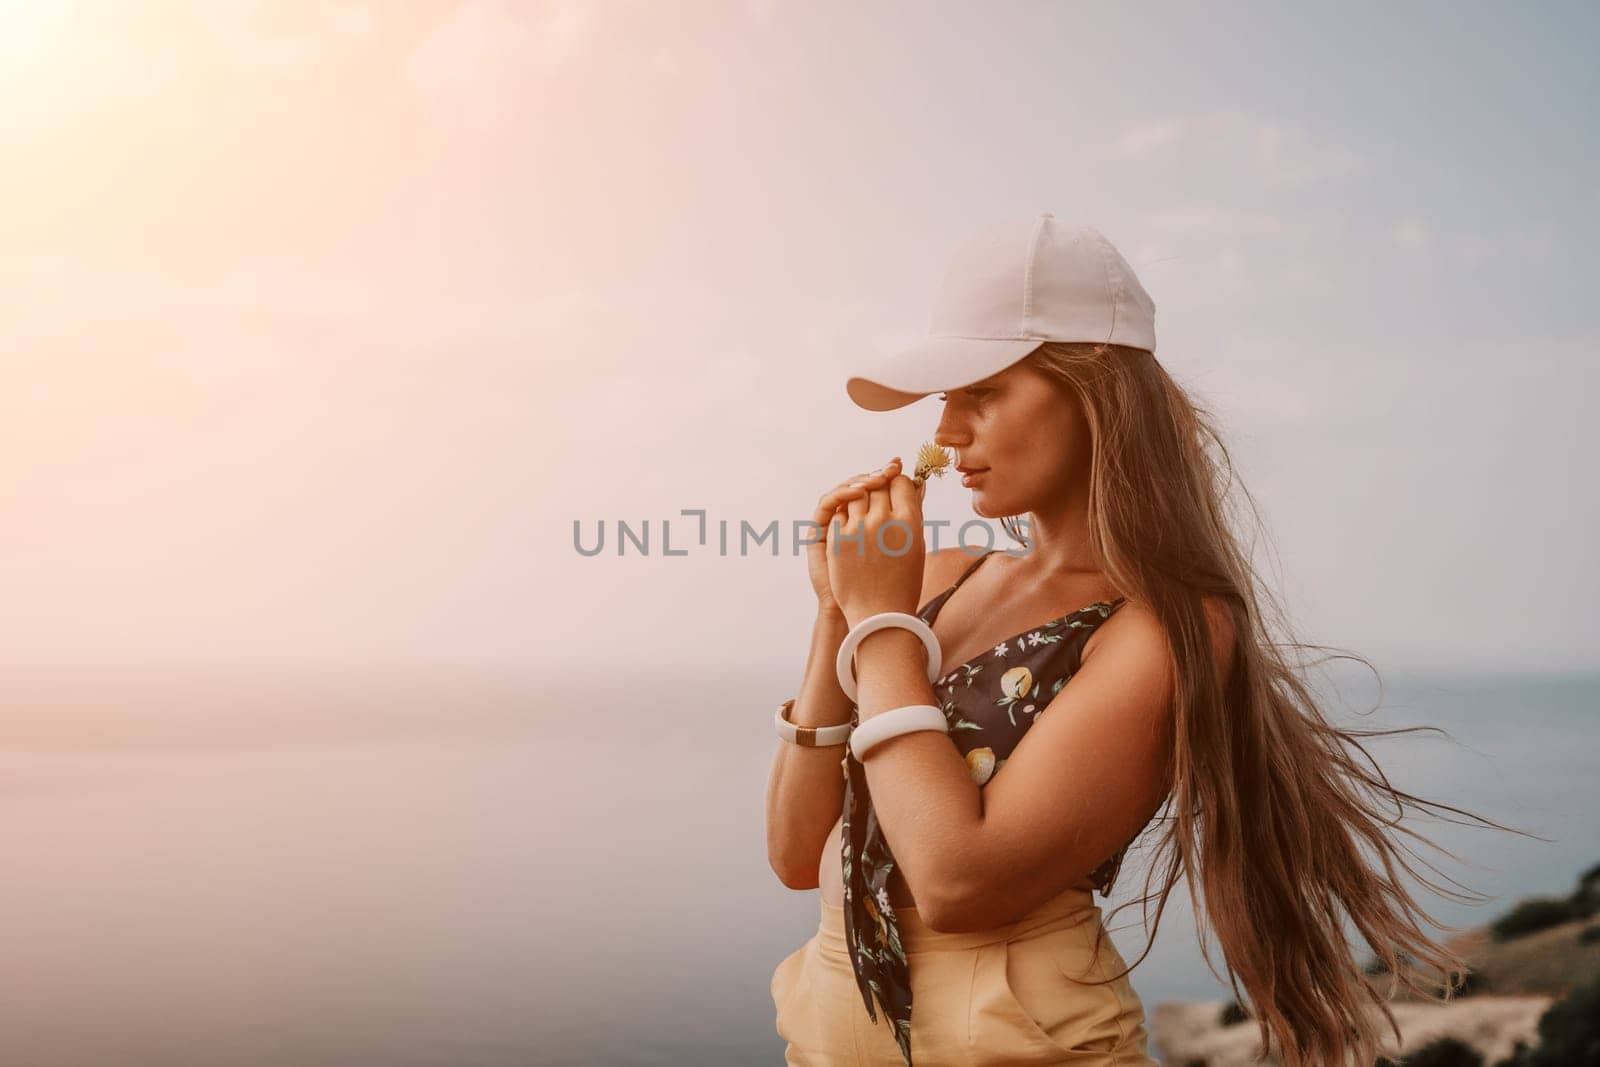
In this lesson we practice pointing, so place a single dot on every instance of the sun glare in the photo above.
(28, 30)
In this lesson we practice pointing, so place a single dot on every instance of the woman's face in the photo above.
(1024, 432)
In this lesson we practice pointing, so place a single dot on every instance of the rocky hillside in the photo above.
(1520, 965)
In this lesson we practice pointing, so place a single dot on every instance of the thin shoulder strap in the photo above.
(938, 602)
(968, 572)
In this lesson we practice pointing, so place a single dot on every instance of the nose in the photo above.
(951, 431)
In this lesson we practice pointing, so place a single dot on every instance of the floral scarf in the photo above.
(989, 702)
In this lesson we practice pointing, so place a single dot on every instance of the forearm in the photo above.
(930, 809)
(805, 791)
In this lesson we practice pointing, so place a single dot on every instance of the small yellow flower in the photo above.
(931, 461)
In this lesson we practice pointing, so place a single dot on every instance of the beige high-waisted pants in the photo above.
(1012, 995)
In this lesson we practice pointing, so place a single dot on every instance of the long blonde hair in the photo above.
(1272, 815)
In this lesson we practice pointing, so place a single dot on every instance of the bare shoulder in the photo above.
(1136, 632)
(941, 569)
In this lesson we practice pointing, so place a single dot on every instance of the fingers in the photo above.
(834, 499)
(865, 484)
(858, 487)
(856, 508)
(898, 499)
(872, 507)
(905, 496)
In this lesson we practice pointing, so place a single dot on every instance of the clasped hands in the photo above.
(875, 549)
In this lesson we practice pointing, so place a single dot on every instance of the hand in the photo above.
(831, 503)
(880, 568)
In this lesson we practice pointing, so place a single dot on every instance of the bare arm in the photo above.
(1085, 779)
(805, 792)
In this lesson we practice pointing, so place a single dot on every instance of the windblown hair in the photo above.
(1272, 815)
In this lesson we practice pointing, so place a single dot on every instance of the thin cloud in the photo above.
(1147, 137)
(1259, 150)
(568, 31)
(469, 66)
(330, 30)
(1210, 222)
(466, 66)
(1410, 234)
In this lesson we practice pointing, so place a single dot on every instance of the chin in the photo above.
(988, 506)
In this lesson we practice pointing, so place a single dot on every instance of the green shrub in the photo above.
(1590, 878)
(1375, 966)
(1519, 1055)
(1472, 983)
(1586, 898)
(1533, 914)
(1569, 1032)
(1444, 1052)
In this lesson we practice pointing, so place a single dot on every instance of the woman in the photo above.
(1059, 737)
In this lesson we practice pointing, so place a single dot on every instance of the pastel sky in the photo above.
(321, 323)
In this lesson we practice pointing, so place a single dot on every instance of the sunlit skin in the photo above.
(1032, 441)
(1030, 436)
(1086, 777)
(1093, 769)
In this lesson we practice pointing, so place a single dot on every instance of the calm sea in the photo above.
(349, 867)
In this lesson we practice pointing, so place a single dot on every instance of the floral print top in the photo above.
(989, 703)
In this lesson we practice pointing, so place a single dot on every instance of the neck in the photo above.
(1059, 538)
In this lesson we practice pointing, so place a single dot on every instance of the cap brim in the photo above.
(933, 365)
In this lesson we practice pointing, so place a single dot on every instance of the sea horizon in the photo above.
(346, 866)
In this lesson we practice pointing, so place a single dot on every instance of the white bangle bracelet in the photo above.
(845, 663)
(810, 736)
(906, 720)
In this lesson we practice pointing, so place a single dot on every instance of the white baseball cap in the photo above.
(1011, 287)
